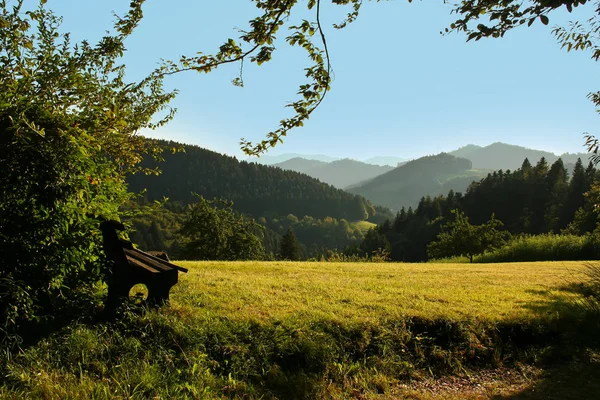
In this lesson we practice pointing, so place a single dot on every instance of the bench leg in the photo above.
(158, 294)
(118, 293)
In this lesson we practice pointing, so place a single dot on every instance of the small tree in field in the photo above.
(290, 249)
(460, 238)
(213, 231)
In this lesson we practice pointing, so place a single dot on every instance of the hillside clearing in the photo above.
(363, 226)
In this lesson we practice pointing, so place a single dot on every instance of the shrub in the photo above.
(547, 247)
(68, 135)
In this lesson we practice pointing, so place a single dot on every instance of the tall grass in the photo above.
(547, 247)
(171, 354)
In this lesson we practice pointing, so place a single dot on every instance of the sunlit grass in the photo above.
(320, 330)
(363, 292)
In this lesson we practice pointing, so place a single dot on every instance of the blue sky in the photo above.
(401, 89)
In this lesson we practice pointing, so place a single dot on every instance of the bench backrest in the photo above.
(123, 253)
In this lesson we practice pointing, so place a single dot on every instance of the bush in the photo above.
(547, 247)
(212, 230)
(68, 136)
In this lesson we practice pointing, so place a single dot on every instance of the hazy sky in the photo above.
(401, 89)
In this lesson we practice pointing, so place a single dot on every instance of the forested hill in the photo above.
(431, 175)
(533, 200)
(255, 189)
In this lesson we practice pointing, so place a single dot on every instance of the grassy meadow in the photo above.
(332, 330)
(360, 292)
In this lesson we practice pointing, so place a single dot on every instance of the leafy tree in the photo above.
(460, 238)
(213, 231)
(68, 134)
(290, 249)
(586, 218)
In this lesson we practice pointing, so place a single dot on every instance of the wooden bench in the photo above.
(132, 266)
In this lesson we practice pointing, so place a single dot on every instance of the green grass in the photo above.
(321, 330)
(367, 292)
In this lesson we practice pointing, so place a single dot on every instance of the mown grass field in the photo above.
(374, 292)
(332, 330)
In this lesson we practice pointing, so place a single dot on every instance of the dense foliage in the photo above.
(255, 189)
(531, 200)
(545, 247)
(316, 236)
(459, 238)
(68, 124)
(213, 231)
(157, 227)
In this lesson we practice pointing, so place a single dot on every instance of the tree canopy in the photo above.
(460, 238)
(535, 199)
(213, 231)
(68, 134)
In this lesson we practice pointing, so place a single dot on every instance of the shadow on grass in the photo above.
(571, 366)
(576, 381)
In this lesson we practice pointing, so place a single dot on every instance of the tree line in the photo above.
(187, 233)
(534, 199)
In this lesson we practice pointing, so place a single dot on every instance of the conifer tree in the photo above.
(156, 237)
(577, 187)
(290, 249)
(556, 186)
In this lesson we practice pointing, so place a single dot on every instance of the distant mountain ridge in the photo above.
(270, 160)
(301, 165)
(258, 189)
(430, 175)
(340, 173)
(279, 159)
(385, 160)
(504, 156)
(465, 150)
(434, 175)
